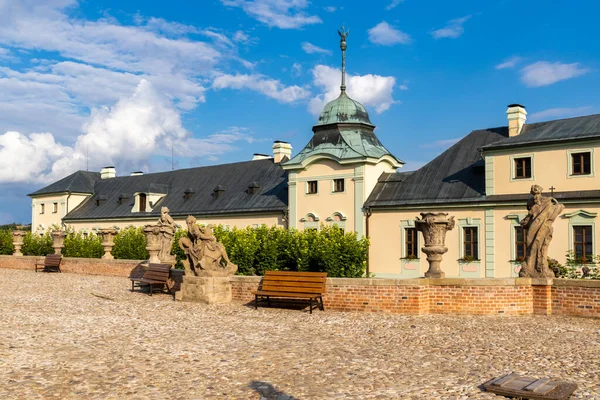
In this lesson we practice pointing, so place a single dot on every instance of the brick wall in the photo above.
(89, 266)
(489, 296)
(573, 297)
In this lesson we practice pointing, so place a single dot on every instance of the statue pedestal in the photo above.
(209, 290)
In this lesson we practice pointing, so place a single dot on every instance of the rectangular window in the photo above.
(85, 235)
(142, 202)
(520, 243)
(471, 250)
(582, 243)
(410, 243)
(522, 167)
(54, 208)
(582, 163)
(42, 208)
(312, 187)
(338, 185)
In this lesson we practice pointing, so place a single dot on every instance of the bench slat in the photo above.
(295, 273)
(290, 289)
(286, 294)
(294, 284)
(291, 278)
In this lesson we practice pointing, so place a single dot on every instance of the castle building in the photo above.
(346, 177)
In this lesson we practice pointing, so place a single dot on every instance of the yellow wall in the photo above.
(230, 221)
(387, 246)
(325, 203)
(64, 202)
(550, 167)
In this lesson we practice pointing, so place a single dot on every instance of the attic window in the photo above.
(100, 200)
(253, 188)
(123, 198)
(218, 191)
(142, 197)
(189, 192)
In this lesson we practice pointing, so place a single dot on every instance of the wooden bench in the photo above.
(155, 275)
(290, 284)
(51, 263)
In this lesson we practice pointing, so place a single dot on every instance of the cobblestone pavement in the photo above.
(88, 337)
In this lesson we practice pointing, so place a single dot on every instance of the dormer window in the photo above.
(123, 198)
(253, 188)
(189, 192)
(218, 191)
(142, 201)
(100, 200)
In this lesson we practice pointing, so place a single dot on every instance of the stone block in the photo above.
(209, 290)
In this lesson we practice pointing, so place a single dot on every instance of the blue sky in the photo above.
(96, 83)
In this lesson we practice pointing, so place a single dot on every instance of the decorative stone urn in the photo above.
(108, 234)
(434, 227)
(58, 241)
(153, 242)
(18, 237)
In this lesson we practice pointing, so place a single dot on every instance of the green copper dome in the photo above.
(343, 110)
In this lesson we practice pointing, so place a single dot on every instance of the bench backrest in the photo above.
(157, 272)
(52, 260)
(296, 282)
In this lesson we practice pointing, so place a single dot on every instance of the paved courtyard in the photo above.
(77, 336)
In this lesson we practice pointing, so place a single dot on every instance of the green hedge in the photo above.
(6, 242)
(254, 250)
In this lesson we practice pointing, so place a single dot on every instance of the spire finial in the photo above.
(343, 35)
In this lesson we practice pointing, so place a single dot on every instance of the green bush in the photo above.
(76, 245)
(130, 244)
(6, 242)
(37, 245)
(577, 268)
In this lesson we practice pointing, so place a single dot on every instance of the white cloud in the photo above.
(283, 14)
(330, 9)
(126, 135)
(393, 4)
(565, 112)
(412, 165)
(385, 35)
(243, 37)
(509, 62)
(453, 29)
(543, 73)
(297, 69)
(441, 144)
(310, 48)
(371, 90)
(259, 83)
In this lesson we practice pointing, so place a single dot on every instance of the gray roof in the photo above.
(456, 175)
(235, 178)
(560, 130)
(78, 182)
(343, 142)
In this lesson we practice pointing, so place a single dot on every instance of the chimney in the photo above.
(258, 156)
(108, 172)
(282, 151)
(517, 116)
(137, 173)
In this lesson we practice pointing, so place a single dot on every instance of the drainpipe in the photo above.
(368, 212)
(286, 214)
(66, 206)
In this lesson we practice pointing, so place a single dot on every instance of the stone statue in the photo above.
(167, 228)
(205, 256)
(542, 211)
(434, 227)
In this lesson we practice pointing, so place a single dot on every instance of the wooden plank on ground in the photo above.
(525, 387)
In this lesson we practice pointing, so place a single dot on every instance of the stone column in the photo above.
(58, 241)
(108, 235)
(18, 237)
(153, 242)
(434, 227)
